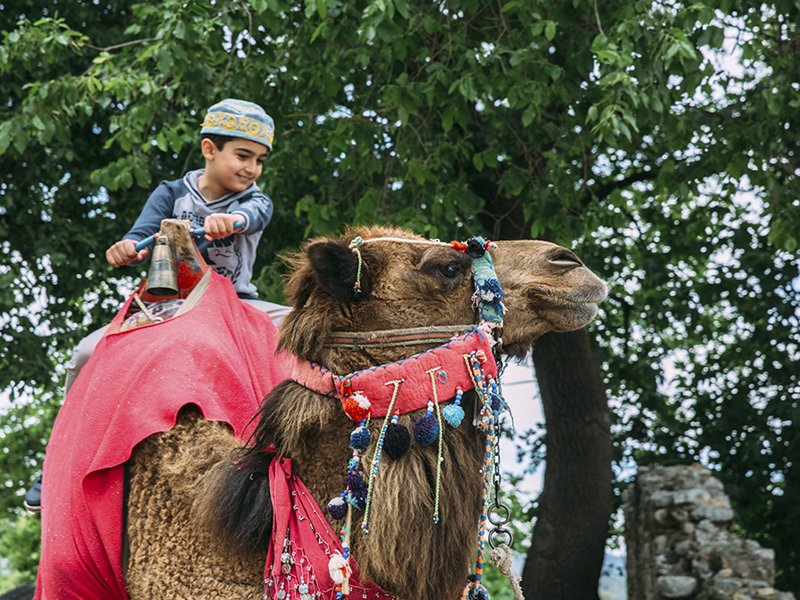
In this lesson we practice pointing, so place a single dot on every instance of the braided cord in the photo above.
(474, 587)
(441, 443)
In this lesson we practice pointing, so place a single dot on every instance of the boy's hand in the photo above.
(124, 252)
(220, 225)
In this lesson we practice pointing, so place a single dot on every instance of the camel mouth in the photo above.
(586, 308)
(577, 316)
(594, 294)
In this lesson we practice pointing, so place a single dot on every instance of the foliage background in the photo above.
(658, 139)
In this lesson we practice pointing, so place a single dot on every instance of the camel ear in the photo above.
(336, 268)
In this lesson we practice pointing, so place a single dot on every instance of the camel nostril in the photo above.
(563, 257)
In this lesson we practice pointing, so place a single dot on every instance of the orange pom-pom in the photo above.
(357, 407)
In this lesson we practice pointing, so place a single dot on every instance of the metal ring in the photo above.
(495, 512)
(442, 376)
(505, 533)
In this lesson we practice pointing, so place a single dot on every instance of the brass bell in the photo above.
(162, 278)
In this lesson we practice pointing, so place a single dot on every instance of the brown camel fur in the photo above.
(215, 547)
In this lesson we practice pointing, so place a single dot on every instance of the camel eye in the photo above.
(450, 271)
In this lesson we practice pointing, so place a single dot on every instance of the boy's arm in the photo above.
(256, 210)
(158, 206)
(124, 253)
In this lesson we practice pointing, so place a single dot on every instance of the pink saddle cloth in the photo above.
(220, 356)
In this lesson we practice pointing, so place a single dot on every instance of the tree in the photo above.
(615, 125)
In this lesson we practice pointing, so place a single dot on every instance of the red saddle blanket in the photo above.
(220, 356)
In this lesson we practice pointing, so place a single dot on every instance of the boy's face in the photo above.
(236, 166)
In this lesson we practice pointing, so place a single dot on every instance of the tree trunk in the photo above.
(566, 556)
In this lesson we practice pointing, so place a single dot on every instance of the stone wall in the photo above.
(677, 529)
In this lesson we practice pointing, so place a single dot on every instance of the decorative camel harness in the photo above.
(301, 538)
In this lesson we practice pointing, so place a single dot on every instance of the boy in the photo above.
(236, 138)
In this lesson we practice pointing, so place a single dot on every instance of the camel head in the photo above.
(403, 285)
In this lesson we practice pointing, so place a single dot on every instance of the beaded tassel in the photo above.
(485, 387)
(356, 406)
(397, 440)
(337, 507)
(426, 430)
(454, 413)
(339, 564)
(360, 438)
(498, 403)
(340, 571)
(356, 488)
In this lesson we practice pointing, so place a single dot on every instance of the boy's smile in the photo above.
(232, 169)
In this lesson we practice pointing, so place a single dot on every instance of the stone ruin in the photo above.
(680, 545)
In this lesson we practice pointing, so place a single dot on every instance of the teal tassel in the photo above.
(453, 414)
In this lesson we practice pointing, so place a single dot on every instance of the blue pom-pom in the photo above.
(354, 481)
(497, 403)
(360, 438)
(426, 430)
(453, 414)
(337, 508)
(359, 499)
(397, 440)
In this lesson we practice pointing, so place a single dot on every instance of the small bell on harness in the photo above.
(162, 278)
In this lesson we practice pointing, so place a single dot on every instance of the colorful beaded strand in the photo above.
(474, 589)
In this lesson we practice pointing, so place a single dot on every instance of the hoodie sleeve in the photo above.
(257, 211)
(159, 206)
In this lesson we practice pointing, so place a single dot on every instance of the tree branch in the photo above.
(121, 45)
(602, 191)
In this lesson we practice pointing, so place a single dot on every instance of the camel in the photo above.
(198, 502)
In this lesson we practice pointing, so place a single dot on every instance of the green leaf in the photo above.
(529, 115)
(164, 60)
(5, 137)
(549, 30)
(317, 31)
(403, 8)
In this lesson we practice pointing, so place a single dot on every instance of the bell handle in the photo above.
(200, 231)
